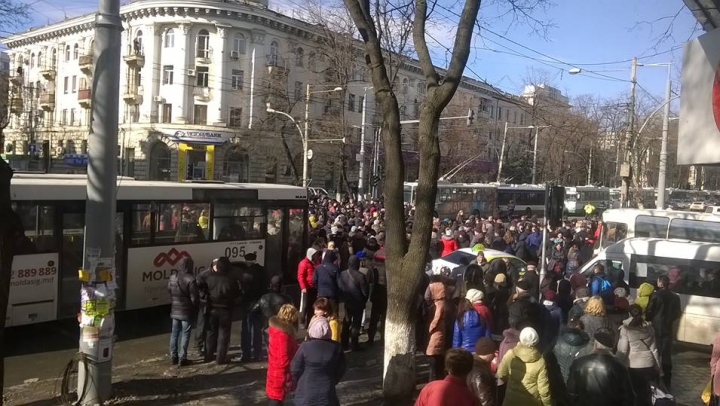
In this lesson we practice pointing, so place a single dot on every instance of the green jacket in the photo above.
(523, 369)
(643, 295)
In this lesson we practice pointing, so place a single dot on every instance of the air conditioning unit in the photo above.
(234, 55)
(159, 99)
(191, 72)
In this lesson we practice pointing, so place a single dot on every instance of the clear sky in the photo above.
(578, 32)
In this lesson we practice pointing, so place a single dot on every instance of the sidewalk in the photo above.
(154, 381)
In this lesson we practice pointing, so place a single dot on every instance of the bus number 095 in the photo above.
(234, 252)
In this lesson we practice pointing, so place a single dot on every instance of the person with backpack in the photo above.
(601, 285)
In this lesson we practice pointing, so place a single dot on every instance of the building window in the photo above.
(311, 61)
(499, 116)
(167, 75)
(167, 113)
(76, 51)
(200, 114)
(272, 58)
(271, 170)
(66, 85)
(299, 56)
(40, 61)
(138, 43)
(405, 86)
(403, 111)
(74, 84)
(202, 44)
(160, 162)
(170, 38)
(522, 119)
(38, 88)
(515, 117)
(351, 102)
(32, 60)
(64, 117)
(235, 117)
(67, 53)
(239, 43)
(420, 88)
(297, 94)
(54, 58)
(361, 101)
(237, 79)
(235, 165)
(202, 76)
(72, 116)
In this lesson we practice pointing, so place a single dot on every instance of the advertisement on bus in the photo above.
(33, 289)
(149, 268)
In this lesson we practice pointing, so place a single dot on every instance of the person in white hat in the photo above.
(524, 370)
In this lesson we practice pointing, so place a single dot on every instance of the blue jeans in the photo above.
(178, 327)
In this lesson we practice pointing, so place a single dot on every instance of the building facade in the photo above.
(195, 83)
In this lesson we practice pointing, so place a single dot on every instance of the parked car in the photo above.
(697, 206)
(452, 260)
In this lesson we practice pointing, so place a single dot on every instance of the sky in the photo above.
(599, 36)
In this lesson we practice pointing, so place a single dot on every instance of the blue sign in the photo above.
(76, 159)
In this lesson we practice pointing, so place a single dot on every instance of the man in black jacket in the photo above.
(183, 303)
(325, 279)
(354, 288)
(600, 379)
(251, 334)
(378, 297)
(223, 291)
(663, 310)
(202, 324)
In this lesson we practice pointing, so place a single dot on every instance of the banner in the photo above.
(199, 137)
(33, 289)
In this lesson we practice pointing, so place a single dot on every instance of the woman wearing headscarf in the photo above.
(523, 368)
(637, 347)
(643, 295)
(318, 366)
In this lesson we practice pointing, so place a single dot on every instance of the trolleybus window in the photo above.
(694, 230)
(651, 226)
(39, 222)
(234, 221)
(690, 277)
(612, 233)
(141, 224)
(274, 241)
(182, 222)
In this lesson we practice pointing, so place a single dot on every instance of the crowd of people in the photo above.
(494, 332)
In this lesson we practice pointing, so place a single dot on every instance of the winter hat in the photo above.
(484, 346)
(474, 295)
(581, 293)
(319, 329)
(448, 232)
(353, 229)
(549, 295)
(605, 337)
(500, 278)
(523, 286)
(621, 304)
(528, 337)
(620, 292)
(333, 230)
(531, 267)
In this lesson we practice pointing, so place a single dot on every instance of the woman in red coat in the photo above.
(449, 245)
(282, 346)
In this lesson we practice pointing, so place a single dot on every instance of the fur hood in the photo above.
(281, 325)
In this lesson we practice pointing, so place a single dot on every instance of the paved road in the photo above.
(142, 373)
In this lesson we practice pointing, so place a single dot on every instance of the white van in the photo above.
(645, 259)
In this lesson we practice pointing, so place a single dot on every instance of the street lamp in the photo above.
(535, 149)
(303, 135)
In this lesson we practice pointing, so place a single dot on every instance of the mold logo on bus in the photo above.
(172, 257)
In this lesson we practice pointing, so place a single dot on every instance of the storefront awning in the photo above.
(198, 137)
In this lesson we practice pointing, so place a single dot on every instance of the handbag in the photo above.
(661, 397)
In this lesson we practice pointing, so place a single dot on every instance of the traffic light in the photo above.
(470, 117)
(554, 205)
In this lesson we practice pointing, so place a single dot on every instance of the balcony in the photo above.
(85, 62)
(201, 94)
(277, 66)
(135, 58)
(16, 104)
(203, 56)
(84, 98)
(49, 73)
(133, 95)
(17, 79)
(47, 101)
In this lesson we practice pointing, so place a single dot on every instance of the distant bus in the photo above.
(528, 199)
(472, 198)
(577, 197)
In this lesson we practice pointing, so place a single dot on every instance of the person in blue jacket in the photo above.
(469, 327)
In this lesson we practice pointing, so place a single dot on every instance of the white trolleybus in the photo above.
(577, 197)
(157, 224)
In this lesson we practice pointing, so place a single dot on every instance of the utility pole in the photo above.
(98, 271)
(589, 177)
(361, 173)
(305, 136)
(502, 153)
(535, 149)
(626, 167)
(662, 172)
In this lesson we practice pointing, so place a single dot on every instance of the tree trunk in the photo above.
(11, 231)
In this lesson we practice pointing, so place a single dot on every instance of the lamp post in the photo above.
(361, 172)
(535, 149)
(303, 134)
